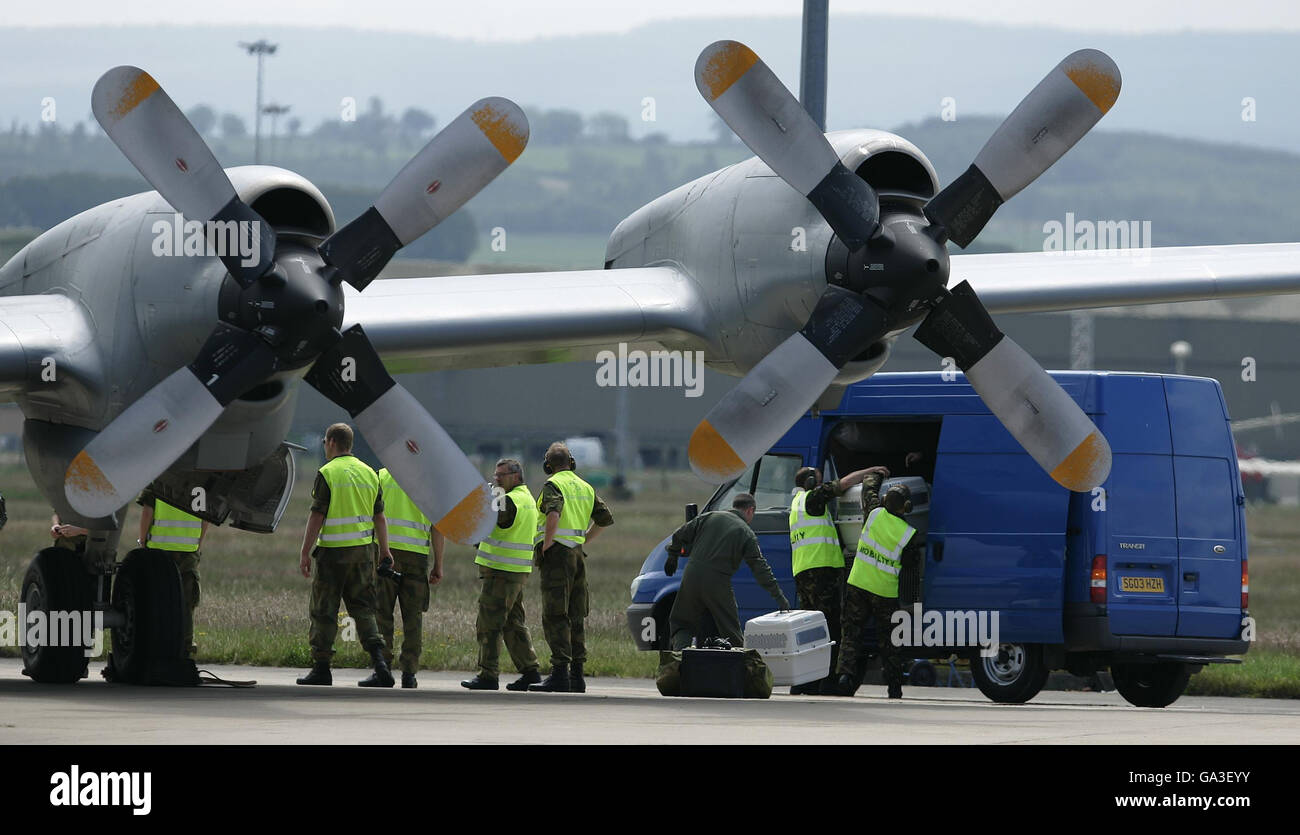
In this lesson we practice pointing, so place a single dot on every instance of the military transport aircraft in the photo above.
(97, 325)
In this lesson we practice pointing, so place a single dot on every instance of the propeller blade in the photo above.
(418, 452)
(776, 392)
(150, 130)
(771, 121)
(150, 434)
(1030, 404)
(1056, 114)
(456, 164)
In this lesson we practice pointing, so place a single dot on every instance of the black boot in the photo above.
(408, 681)
(895, 691)
(382, 676)
(320, 674)
(846, 686)
(577, 684)
(480, 682)
(529, 677)
(556, 682)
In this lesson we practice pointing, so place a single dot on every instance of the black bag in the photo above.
(713, 672)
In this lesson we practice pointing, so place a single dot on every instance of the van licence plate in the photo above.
(1142, 584)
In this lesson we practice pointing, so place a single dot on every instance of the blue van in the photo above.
(1145, 576)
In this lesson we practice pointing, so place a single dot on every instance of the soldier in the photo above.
(167, 528)
(347, 514)
(569, 514)
(410, 534)
(817, 558)
(716, 543)
(872, 594)
(505, 559)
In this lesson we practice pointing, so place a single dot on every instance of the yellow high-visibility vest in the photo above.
(880, 553)
(814, 542)
(350, 519)
(408, 527)
(173, 529)
(579, 499)
(511, 549)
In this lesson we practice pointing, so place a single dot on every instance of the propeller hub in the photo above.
(903, 268)
(293, 307)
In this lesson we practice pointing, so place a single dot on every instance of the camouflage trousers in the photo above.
(501, 617)
(187, 564)
(822, 590)
(353, 583)
(860, 608)
(412, 594)
(564, 602)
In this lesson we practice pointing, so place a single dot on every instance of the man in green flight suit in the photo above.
(715, 544)
(167, 528)
(885, 546)
(569, 514)
(410, 536)
(505, 559)
(347, 517)
(817, 558)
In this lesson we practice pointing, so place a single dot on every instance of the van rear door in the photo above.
(1209, 500)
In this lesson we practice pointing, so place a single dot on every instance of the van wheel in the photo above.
(56, 581)
(923, 674)
(147, 591)
(1014, 676)
(1151, 685)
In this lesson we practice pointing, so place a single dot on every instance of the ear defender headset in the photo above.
(546, 467)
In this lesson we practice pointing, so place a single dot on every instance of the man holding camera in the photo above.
(346, 521)
(569, 515)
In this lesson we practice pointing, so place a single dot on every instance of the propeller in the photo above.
(886, 273)
(288, 308)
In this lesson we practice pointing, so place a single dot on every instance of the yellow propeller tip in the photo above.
(462, 522)
(728, 61)
(502, 130)
(1086, 466)
(141, 87)
(1096, 76)
(711, 456)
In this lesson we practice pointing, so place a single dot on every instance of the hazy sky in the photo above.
(523, 19)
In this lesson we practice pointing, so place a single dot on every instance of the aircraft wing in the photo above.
(472, 321)
(44, 340)
(1058, 281)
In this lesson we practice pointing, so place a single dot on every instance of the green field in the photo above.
(254, 606)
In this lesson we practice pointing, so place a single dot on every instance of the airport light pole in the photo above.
(275, 111)
(812, 75)
(260, 48)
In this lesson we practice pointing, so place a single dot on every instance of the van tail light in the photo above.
(1097, 589)
(1245, 586)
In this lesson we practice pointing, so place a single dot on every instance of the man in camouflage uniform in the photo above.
(569, 515)
(715, 544)
(505, 560)
(817, 557)
(886, 545)
(410, 536)
(158, 519)
(347, 517)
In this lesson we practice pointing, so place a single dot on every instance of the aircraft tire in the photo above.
(56, 581)
(147, 590)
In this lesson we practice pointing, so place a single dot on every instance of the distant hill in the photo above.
(883, 71)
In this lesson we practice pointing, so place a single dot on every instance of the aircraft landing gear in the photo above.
(56, 582)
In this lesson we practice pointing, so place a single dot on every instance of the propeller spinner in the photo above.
(889, 272)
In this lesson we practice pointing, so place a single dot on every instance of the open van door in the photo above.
(997, 532)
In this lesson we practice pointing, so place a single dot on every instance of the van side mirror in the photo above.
(692, 510)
